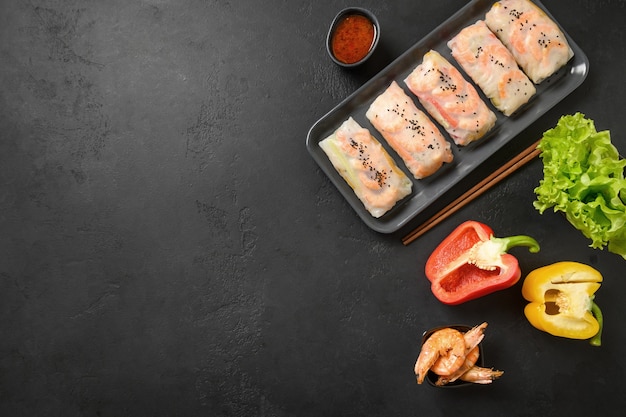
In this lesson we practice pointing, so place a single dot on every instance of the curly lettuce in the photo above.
(583, 177)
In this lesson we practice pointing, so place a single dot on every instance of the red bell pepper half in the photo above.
(471, 263)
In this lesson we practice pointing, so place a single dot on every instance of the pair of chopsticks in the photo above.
(504, 171)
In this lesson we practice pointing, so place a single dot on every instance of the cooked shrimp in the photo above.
(374, 180)
(549, 38)
(470, 360)
(511, 83)
(479, 375)
(453, 355)
(471, 338)
(448, 343)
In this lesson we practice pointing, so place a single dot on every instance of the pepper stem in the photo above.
(520, 240)
(597, 339)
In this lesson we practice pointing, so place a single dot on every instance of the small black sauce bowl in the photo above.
(333, 26)
(432, 377)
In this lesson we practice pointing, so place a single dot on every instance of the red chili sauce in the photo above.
(353, 38)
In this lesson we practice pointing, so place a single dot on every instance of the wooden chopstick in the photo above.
(498, 175)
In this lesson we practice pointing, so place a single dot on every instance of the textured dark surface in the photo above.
(168, 247)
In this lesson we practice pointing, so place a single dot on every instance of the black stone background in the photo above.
(169, 248)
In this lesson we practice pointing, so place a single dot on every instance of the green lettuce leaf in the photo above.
(583, 177)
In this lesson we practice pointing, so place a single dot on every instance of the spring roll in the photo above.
(365, 165)
(409, 132)
(450, 99)
(492, 67)
(538, 45)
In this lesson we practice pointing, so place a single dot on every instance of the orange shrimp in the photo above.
(470, 360)
(471, 338)
(540, 47)
(480, 375)
(448, 343)
(453, 355)
(374, 180)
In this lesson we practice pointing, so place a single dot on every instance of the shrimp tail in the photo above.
(474, 336)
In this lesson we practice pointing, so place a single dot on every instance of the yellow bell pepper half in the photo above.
(561, 300)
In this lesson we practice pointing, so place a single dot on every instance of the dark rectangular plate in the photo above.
(466, 159)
